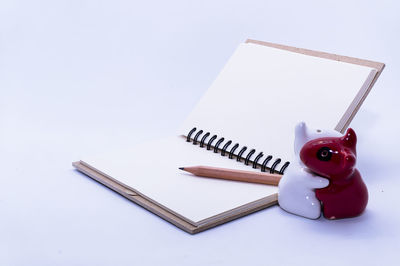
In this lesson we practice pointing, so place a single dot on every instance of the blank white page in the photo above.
(263, 92)
(152, 169)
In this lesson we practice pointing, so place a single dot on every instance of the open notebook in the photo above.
(245, 120)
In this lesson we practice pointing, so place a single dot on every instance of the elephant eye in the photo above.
(324, 154)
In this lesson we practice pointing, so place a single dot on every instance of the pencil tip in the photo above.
(181, 168)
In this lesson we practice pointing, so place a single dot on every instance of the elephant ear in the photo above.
(350, 139)
(300, 137)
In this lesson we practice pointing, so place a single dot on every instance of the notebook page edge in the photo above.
(331, 56)
(356, 103)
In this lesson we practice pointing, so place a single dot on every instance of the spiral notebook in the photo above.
(245, 120)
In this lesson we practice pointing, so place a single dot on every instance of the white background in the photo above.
(77, 77)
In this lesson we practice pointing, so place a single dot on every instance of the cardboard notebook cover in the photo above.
(168, 215)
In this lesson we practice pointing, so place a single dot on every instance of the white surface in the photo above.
(74, 74)
(152, 169)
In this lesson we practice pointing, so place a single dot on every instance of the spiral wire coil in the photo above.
(231, 153)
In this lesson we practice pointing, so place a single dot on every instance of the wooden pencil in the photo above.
(232, 174)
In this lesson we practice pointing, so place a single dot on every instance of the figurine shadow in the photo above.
(364, 226)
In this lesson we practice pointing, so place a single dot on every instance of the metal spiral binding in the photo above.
(264, 164)
(239, 157)
(203, 139)
(246, 161)
(233, 150)
(211, 141)
(258, 157)
(217, 144)
(225, 147)
(196, 136)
